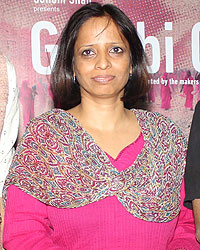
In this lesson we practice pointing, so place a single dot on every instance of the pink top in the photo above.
(106, 224)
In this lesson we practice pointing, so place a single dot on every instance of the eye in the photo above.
(88, 52)
(116, 50)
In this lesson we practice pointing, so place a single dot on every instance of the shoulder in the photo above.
(54, 122)
(195, 125)
(153, 118)
(160, 126)
(51, 118)
(47, 132)
(197, 108)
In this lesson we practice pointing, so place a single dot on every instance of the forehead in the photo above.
(98, 28)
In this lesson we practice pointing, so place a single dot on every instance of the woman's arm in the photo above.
(26, 225)
(196, 210)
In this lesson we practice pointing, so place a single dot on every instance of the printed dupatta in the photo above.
(59, 163)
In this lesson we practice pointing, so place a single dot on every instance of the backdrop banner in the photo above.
(169, 31)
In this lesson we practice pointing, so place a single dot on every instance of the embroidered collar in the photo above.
(60, 164)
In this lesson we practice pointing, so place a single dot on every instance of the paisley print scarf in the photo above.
(59, 163)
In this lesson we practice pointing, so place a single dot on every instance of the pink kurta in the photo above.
(105, 224)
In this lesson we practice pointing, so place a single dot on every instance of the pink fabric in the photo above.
(127, 155)
(30, 224)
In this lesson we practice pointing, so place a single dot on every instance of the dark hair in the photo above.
(66, 92)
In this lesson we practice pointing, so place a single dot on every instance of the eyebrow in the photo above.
(91, 45)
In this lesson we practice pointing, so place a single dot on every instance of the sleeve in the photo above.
(192, 173)
(184, 235)
(10, 126)
(26, 223)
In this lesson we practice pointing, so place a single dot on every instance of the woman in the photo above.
(192, 198)
(98, 176)
(188, 91)
(9, 122)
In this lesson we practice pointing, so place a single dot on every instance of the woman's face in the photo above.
(101, 59)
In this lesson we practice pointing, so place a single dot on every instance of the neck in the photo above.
(101, 115)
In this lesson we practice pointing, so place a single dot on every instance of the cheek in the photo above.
(81, 67)
(81, 72)
(124, 68)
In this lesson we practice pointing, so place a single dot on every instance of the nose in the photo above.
(103, 61)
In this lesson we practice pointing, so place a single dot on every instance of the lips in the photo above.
(103, 78)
